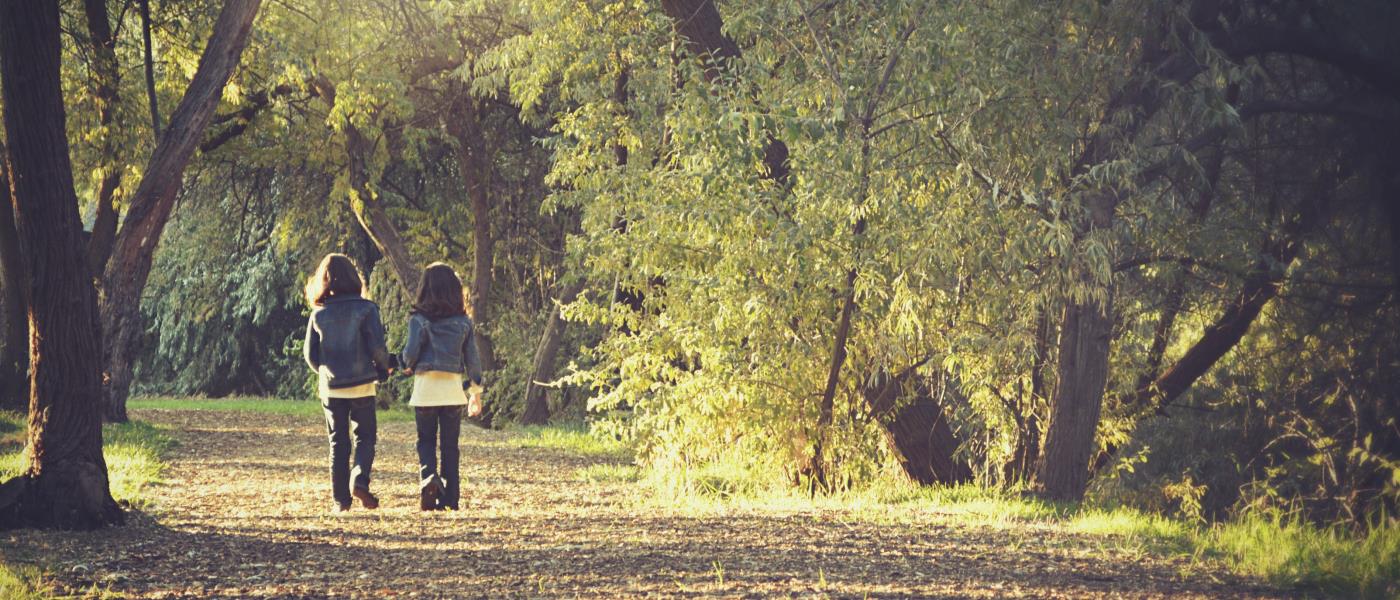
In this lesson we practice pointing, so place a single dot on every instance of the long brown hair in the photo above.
(440, 293)
(336, 277)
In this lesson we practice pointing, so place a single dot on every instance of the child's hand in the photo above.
(474, 404)
(406, 371)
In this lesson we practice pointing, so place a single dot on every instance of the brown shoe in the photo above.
(367, 499)
(429, 494)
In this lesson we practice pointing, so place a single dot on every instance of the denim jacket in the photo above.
(347, 337)
(447, 344)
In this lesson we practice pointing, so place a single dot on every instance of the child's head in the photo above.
(440, 293)
(336, 277)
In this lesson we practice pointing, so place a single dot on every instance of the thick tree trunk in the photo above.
(105, 94)
(65, 482)
(474, 163)
(536, 401)
(917, 430)
(14, 355)
(1085, 333)
(127, 272)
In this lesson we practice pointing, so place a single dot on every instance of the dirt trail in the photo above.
(245, 513)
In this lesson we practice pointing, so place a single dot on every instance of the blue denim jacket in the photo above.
(347, 337)
(447, 344)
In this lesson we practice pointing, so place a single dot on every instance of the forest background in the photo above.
(1143, 251)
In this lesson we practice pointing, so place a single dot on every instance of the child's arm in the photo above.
(311, 349)
(373, 331)
(470, 357)
(412, 346)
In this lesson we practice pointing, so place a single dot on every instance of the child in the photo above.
(440, 348)
(345, 346)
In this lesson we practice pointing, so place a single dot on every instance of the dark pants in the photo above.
(446, 421)
(347, 417)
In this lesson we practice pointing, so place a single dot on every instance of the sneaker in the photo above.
(367, 499)
(429, 493)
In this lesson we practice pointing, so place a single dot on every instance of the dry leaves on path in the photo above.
(245, 513)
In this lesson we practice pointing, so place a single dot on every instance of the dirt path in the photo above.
(245, 513)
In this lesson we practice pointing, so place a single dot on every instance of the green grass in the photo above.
(609, 473)
(23, 582)
(133, 452)
(571, 438)
(398, 412)
(1278, 550)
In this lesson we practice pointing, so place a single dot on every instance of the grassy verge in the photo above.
(570, 438)
(133, 452)
(310, 408)
(1277, 549)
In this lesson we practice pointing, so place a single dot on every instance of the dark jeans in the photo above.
(447, 421)
(346, 417)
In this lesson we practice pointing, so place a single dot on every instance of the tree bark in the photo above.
(536, 401)
(365, 204)
(107, 85)
(14, 355)
(473, 160)
(1027, 452)
(127, 272)
(1085, 331)
(65, 482)
(917, 431)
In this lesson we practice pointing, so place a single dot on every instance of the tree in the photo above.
(65, 482)
(125, 276)
(14, 345)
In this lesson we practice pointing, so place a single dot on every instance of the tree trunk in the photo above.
(127, 272)
(473, 161)
(1085, 331)
(917, 432)
(65, 481)
(14, 355)
(107, 84)
(369, 212)
(536, 402)
(1027, 452)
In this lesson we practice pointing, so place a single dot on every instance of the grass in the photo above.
(23, 582)
(398, 412)
(133, 453)
(1279, 550)
(609, 473)
(570, 438)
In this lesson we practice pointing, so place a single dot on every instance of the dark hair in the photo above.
(336, 277)
(440, 293)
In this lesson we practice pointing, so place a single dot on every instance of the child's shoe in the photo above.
(367, 499)
(429, 493)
